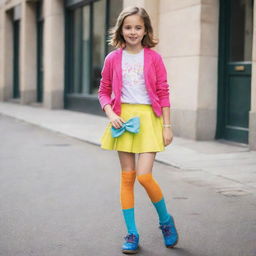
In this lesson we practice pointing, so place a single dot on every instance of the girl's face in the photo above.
(133, 30)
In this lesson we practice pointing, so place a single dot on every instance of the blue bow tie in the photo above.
(132, 125)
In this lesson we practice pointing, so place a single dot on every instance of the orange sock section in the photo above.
(151, 186)
(126, 189)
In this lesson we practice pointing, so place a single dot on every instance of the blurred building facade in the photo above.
(52, 52)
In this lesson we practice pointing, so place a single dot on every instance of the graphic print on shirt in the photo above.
(133, 74)
(134, 88)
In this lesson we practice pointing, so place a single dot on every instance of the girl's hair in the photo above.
(115, 34)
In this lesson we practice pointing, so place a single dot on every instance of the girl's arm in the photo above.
(104, 94)
(162, 87)
(105, 88)
(162, 91)
(167, 131)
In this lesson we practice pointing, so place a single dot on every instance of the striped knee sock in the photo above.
(155, 194)
(127, 199)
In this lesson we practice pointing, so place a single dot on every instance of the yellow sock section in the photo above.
(126, 189)
(151, 186)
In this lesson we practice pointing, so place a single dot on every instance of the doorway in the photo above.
(235, 58)
(16, 53)
(40, 54)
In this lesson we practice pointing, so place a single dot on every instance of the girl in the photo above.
(134, 86)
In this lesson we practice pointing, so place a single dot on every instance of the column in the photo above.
(54, 54)
(190, 51)
(206, 113)
(1, 53)
(28, 55)
(6, 54)
(252, 113)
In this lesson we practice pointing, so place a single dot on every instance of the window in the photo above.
(86, 46)
(241, 23)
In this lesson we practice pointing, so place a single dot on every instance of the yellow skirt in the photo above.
(149, 138)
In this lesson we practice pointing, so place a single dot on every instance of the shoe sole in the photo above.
(130, 251)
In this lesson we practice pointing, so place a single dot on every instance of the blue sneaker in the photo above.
(131, 244)
(170, 234)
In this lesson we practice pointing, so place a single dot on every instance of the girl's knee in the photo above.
(145, 178)
(128, 178)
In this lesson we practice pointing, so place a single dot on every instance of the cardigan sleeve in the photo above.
(162, 87)
(105, 88)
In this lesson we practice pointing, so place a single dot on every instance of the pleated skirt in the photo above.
(149, 138)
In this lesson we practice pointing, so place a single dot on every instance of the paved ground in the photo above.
(60, 196)
(228, 167)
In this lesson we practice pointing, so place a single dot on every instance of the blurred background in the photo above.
(52, 53)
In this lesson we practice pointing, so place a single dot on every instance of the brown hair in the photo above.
(115, 36)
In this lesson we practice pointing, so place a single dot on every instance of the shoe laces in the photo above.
(130, 238)
(166, 229)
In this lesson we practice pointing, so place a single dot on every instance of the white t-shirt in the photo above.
(134, 87)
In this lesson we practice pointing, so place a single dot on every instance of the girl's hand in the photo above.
(167, 136)
(116, 120)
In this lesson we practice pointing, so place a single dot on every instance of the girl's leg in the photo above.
(146, 179)
(144, 176)
(128, 176)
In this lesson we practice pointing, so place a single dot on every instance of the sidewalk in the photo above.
(230, 168)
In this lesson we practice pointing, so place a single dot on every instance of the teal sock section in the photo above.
(130, 220)
(163, 214)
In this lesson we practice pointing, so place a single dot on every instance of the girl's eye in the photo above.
(128, 27)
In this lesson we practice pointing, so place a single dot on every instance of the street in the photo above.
(59, 196)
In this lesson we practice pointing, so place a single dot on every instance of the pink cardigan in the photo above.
(154, 74)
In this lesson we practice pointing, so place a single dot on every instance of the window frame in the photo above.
(85, 102)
